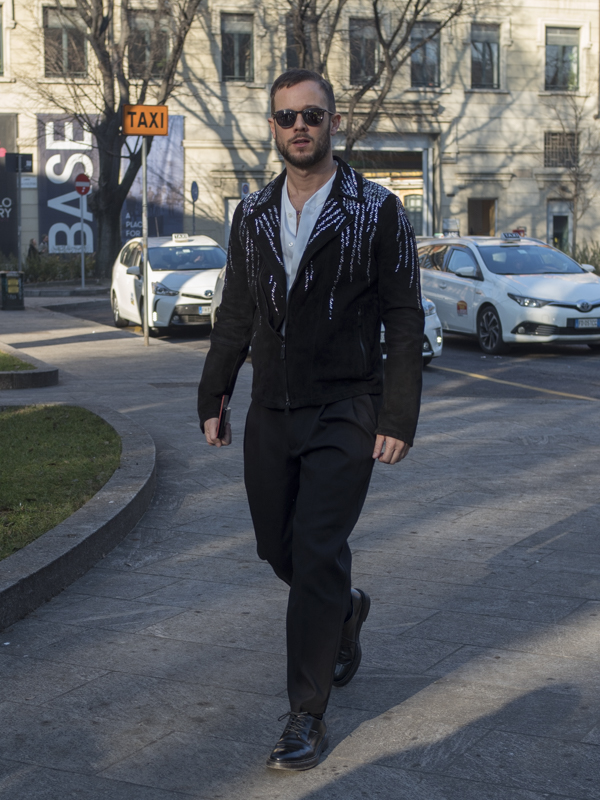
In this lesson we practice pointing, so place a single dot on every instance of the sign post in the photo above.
(82, 187)
(194, 198)
(145, 121)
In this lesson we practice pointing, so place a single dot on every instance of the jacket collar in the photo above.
(263, 216)
(348, 183)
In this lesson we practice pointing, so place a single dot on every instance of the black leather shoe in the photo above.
(301, 743)
(348, 660)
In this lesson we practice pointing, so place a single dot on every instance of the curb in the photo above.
(45, 567)
(43, 375)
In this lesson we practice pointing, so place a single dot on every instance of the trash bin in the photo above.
(11, 291)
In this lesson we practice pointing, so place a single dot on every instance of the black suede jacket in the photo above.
(359, 268)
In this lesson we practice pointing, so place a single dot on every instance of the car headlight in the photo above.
(528, 302)
(160, 288)
(428, 307)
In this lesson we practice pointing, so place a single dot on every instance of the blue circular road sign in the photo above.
(194, 191)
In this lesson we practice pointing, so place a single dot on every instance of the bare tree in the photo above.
(128, 54)
(314, 25)
(574, 148)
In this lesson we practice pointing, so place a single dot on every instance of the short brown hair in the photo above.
(292, 77)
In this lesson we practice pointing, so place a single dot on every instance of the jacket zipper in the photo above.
(287, 393)
(282, 356)
(360, 339)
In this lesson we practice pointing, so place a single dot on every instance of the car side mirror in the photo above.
(588, 267)
(134, 271)
(466, 272)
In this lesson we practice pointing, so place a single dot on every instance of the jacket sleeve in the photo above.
(230, 337)
(402, 315)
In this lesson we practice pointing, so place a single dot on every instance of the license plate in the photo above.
(587, 323)
(204, 309)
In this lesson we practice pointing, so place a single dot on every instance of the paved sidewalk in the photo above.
(160, 674)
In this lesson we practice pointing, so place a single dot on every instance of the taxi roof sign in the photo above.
(146, 120)
(512, 236)
(180, 237)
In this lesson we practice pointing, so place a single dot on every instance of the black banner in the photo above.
(165, 186)
(8, 187)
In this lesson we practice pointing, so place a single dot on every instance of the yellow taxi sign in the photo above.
(146, 121)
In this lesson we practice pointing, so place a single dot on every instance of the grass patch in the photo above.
(54, 459)
(10, 363)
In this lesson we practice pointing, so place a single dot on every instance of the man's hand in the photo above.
(389, 450)
(211, 426)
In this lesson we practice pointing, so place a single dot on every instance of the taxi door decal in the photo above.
(461, 308)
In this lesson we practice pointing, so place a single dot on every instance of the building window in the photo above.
(363, 50)
(292, 47)
(562, 58)
(148, 49)
(413, 205)
(425, 62)
(561, 149)
(236, 43)
(64, 43)
(485, 51)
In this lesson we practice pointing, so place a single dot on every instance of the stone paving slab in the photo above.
(161, 672)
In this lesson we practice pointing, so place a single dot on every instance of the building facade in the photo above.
(487, 128)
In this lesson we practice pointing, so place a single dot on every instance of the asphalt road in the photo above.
(462, 371)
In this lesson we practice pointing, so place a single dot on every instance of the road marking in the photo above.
(549, 541)
(519, 385)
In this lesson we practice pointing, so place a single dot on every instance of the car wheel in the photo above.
(489, 332)
(120, 322)
(427, 361)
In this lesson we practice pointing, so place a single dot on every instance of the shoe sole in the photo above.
(299, 766)
(364, 613)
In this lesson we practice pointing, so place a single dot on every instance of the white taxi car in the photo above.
(182, 275)
(432, 339)
(510, 289)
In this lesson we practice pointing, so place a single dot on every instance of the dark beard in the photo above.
(304, 161)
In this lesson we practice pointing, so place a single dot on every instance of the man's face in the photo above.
(303, 146)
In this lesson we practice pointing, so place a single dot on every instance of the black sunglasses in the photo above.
(313, 117)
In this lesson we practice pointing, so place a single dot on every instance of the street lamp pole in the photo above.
(144, 121)
(146, 301)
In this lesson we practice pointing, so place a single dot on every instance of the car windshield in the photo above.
(527, 259)
(186, 257)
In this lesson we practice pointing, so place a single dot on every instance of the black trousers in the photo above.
(307, 473)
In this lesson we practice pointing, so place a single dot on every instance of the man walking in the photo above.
(317, 260)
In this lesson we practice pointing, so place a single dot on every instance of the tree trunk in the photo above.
(574, 240)
(109, 241)
(312, 57)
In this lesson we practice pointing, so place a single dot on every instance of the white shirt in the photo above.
(293, 242)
